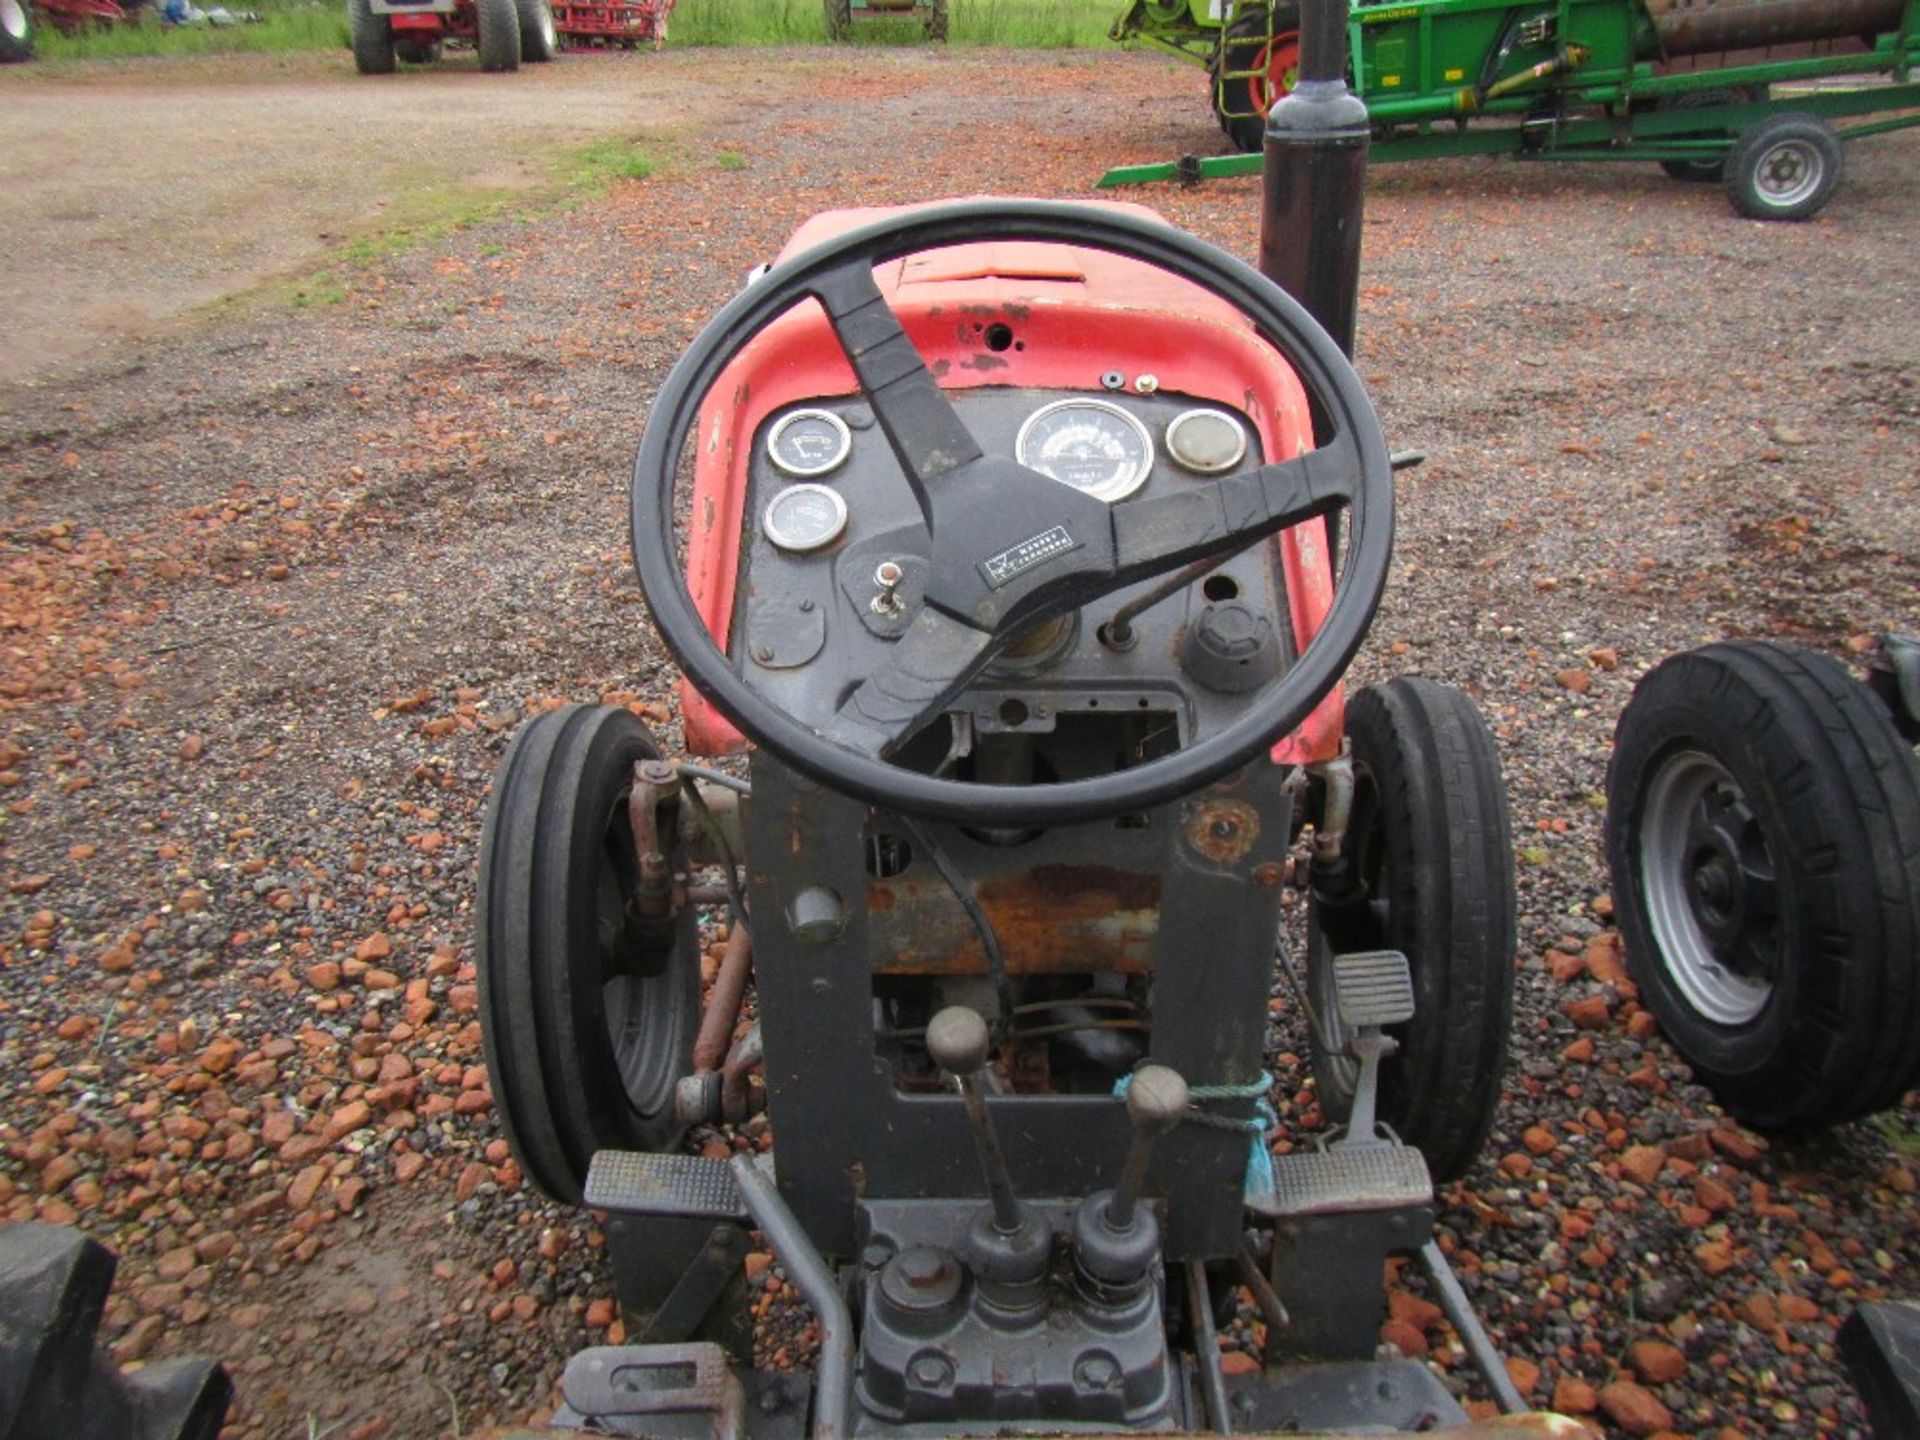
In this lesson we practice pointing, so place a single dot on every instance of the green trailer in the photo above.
(1759, 93)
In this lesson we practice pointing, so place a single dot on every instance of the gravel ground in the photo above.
(277, 590)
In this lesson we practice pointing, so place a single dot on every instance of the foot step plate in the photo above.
(1373, 987)
(1365, 1177)
(635, 1183)
(618, 1380)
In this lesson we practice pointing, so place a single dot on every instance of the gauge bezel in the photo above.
(1109, 493)
(1239, 428)
(840, 454)
(772, 530)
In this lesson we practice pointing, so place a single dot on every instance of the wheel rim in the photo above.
(1789, 173)
(637, 1007)
(1277, 67)
(13, 18)
(1708, 880)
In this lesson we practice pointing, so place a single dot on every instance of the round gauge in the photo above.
(809, 442)
(805, 517)
(1092, 445)
(1206, 441)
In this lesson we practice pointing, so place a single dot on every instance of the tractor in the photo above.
(1013, 553)
(505, 32)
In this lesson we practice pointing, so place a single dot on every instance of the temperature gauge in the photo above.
(1207, 442)
(809, 442)
(805, 517)
(1091, 445)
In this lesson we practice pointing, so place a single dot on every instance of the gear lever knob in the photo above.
(958, 1042)
(1157, 1100)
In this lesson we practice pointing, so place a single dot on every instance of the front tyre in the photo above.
(1763, 830)
(1428, 871)
(499, 25)
(372, 38)
(16, 31)
(539, 41)
(588, 1013)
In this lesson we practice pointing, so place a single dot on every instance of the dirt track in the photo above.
(278, 585)
(136, 195)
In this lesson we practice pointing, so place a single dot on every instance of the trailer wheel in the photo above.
(16, 31)
(1763, 830)
(417, 52)
(538, 39)
(1274, 62)
(1784, 168)
(499, 25)
(588, 1014)
(839, 19)
(1429, 872)
(372, 38)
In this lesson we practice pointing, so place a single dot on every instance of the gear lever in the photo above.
(1007, 1248)
(1115, 1238)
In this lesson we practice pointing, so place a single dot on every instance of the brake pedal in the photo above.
(634, 1183)
(1371, 989)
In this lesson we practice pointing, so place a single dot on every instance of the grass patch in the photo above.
(283, 29)
(1013, 24)
(730, 160)
(601, 164)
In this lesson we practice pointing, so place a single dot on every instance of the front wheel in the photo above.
(499, 25)
(1763, 830)
(1784, 168)
(587, 1010)
(1253, 68)
(538, 39)
(16, 31)
(373, 46)
(1427, 870)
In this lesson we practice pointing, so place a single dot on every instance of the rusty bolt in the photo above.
(1267, 876)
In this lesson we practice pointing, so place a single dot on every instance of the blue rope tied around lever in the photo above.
(1262, 1123)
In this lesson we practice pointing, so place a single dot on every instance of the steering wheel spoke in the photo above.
(927, 436)
(931, 663)
(1154, 536)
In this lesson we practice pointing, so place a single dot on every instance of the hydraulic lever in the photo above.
(1115, 1238)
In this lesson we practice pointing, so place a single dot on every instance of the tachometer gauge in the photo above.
(1207, 442)
(809, 442)
(1091, 445)
(805, 517)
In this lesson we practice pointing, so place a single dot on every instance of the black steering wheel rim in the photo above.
(1324, 371)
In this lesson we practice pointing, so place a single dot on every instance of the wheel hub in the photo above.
(1710, 889)
(1789, 173)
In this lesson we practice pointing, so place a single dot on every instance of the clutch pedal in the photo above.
(635, 1183)
(1371, 989)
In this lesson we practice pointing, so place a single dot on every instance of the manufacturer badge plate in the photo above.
(1013, 562)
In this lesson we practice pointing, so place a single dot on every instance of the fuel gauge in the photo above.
(809, 442)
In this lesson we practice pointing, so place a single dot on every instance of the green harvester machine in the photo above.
(1759, 93)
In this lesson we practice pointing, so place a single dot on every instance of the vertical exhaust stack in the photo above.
(1315, 178)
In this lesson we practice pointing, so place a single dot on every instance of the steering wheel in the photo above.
(1011, 547)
